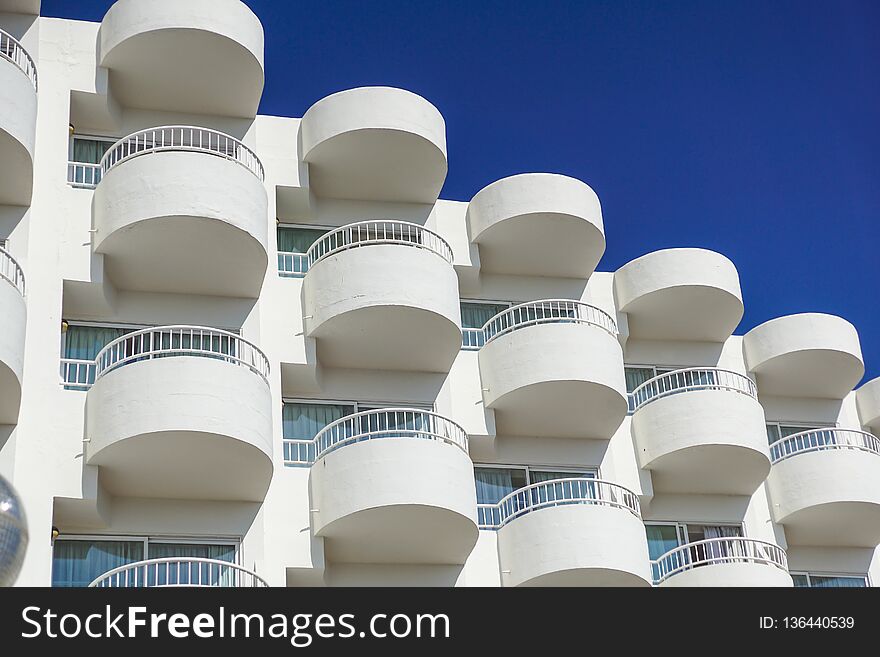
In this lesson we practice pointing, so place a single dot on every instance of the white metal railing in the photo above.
(181, 138)
(548, 311)
(179, 571)
(556, 492)
(372, 425)
(715, 551)
(83, 174)
(693, 378)
(366, 233)
(294, 265)
(11, 270)
(11, 49)
(472, 339)
(166, 341)
(816, 440)
(77, 374)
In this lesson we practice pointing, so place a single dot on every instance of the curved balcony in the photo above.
(680, 294)
(394, 486)
(183, 210)
(383, 295)
(189, 572)
(868, 403)
(14, 320)
(701, 431)
(553, 368)
(18, 121)
(823, 487)
(194, 57)
(805, 355)
(723, 562)
(181, 412)
(537, 224)
(570, 532)
(375, 144)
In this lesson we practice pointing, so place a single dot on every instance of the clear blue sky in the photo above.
(745, 126)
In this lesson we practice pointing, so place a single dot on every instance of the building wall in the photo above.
(45, 454)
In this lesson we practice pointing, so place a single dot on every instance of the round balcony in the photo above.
(868, 403)
(14, 320)
(701, 431)
(823, 487)
(806, 355)
(181, 412)
(537, 224)
(183, 210)
(193, 57)
(680, 294)
(383, 295)
(187, 572)
(724, 562)
(394, 486)
(570, 532)
(18, 121)
(553, 368)
(375, 144)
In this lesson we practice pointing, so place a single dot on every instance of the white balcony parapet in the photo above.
(548, 311)
(694, 378)
(83, 174)
(556, 492)
(292, 265)
(817, 440)
(718, 551)
(372, 425)
(12, 50)
(166, 341)
(182, 138)
(11, 271)
(179, 572)
(366, 233)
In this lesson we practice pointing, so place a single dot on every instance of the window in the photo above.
(474, 315)
(496, 482)
(83, 342)
(78, 561)
(810, 580)
(293, 243)
(779, 430)
(85, 156)
(636, 375)
(303, 420)
(666, 536)
(4, 243)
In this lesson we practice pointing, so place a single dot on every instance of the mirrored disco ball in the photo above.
(13, 534)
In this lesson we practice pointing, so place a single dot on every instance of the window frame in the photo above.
(817, 573)
(88, 137)
(370, 405)
(575, 470)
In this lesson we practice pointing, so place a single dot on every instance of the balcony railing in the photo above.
(181, 138)
(549, 311)
(367, 233)
(716, 551)
(83, 174)
(816, 440)
(77, 374)
(292, 265)
(556, 492)
(472, 339)
(180, 572)
(694, 378)
(11, 271)
(373, 425)
(12, 50)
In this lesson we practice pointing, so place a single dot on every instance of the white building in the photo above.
(554, 425)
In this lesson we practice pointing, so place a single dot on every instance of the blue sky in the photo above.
(748, 127)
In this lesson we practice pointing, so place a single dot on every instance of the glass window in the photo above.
(537, 476)
(493, 484)
(90, 151)
(303, 421)
(291, 239)
(475, 314)
(84, 342)
(636, 376)
(79, 563)
(777, 431)
(808, 580)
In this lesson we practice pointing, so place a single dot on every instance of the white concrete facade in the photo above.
(178, 435)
